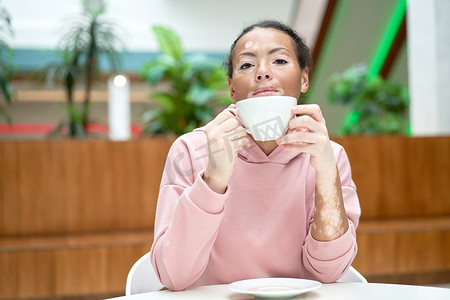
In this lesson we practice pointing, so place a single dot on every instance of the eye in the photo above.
(280, 61)
(245, 66)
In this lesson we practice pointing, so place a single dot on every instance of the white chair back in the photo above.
(142, 277)
(352, 276)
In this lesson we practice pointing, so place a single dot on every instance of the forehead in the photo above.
(261, 38)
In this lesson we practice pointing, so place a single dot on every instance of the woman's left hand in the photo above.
(309, 134)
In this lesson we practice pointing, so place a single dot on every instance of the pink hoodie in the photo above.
(259, 228)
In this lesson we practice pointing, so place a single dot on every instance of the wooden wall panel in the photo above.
(400, 177)
(75, 186)
(68, 186)
(55, 267)
(403, 246)
(9, 189)
(38, 177)
(80, 185)
(26, 274)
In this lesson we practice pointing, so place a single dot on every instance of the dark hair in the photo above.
(303, 54)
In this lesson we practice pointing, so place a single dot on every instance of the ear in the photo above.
(232, 91)
(305, 80)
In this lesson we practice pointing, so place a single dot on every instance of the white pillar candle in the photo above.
(119, 108)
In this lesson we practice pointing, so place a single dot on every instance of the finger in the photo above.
(237, 144)
(309, 109)
(241, 143)
(222, 117)
(228, 125)
(304, 148)
(232, 109)
(297, 137)
(304, 122)
(239, 132)
(234, 135)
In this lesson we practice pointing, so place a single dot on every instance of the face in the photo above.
(265, 64)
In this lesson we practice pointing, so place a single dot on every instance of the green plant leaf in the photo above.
(199, 95)
(6, 89)
(154, 73)
(225, 100)
(153, 127)
(195, 85)
(90, 38)
(6, 62)
(5, 114)
(217, 79)
(165, 100)
(202, 62)
(169, 42)
(203, 114)
(376, 105)
(149, 115)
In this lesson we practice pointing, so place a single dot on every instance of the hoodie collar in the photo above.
(254, 154)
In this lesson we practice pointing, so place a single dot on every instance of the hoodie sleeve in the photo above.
(188, 216)
(328, 261)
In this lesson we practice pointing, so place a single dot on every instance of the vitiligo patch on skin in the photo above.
(331, 220)
(328, 221)
(248, 44)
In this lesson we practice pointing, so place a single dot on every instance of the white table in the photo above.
(334, 291)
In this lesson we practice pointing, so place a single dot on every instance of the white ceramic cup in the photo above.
(265, 118)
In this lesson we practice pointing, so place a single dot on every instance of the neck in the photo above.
(267, 147)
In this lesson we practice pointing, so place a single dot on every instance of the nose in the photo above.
(263, 73)
(260, 77)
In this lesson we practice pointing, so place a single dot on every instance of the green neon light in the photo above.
(388, 39)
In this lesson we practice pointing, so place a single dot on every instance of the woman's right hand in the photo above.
(225, 138)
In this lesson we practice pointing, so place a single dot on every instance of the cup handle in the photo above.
(234, 112)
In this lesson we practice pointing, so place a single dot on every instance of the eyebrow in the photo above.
(270, 52)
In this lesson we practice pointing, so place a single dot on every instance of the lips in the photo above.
(266, 91)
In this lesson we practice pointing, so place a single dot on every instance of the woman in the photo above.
(231, 208)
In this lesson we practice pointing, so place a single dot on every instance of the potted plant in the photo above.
(377, 106)
(6, 66)
(196, 87)
(89, 38)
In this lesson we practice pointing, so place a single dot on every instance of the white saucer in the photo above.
(279, 288)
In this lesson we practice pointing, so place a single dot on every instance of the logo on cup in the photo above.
(269, 129)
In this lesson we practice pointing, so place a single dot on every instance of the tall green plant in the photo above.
(67, 72)
(88, 38)
(377, 106)
(6, 66)
(196, 87)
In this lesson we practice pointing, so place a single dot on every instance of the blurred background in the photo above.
(93, 93)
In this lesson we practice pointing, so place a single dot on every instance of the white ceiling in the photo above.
(204, 25)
